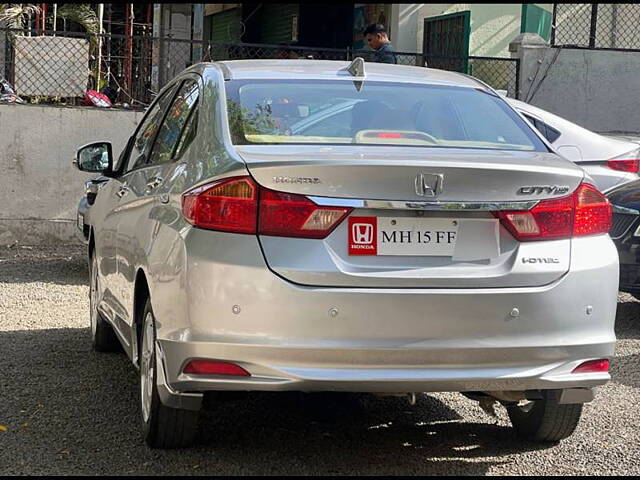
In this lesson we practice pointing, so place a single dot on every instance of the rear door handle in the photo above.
(154, 182)
(122, 191)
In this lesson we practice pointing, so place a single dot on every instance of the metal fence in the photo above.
(50, 67)
(58, 67)
(596, 25)
(499, 73)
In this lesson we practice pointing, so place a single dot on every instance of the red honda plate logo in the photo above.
(363, 236)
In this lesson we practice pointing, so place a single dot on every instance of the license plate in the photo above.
(80, 221)
(402, 236)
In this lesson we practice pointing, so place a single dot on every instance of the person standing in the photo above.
(378, 39)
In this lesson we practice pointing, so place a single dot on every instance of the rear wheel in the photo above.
(103, 338)
(164, 427)
(545, 420)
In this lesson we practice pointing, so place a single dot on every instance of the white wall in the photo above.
(597, 89)
(493, 25)
(39, 187)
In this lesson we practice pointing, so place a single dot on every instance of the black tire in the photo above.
(164, 427)
(545, 420)
(103, 338)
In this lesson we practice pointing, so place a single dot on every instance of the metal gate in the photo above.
(446, 41)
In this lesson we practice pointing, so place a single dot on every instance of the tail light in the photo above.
(592, 366)
(290, 215)
(585, 212)
(228, 205)
(632, 165)
(239, 205)
(627, 162)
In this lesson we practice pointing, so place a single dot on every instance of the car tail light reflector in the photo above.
(290, 215)
(228, 205)
(624, 165)
(585, 212)
(592, 366)
(211, 367)
(239, 205)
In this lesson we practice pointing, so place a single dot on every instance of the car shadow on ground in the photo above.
(61, 265)
(69, 410)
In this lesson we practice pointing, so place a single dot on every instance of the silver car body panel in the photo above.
(396, 326)
(588, 149)
(391, 172)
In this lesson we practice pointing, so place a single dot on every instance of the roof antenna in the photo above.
(356, 69)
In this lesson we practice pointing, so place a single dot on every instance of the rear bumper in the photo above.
(291, 337)
(398, 370)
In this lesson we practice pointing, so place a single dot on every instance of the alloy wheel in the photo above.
(147, 366)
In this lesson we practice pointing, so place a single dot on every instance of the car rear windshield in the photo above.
(343, 112)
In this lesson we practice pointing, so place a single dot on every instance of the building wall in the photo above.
(584, 86)
(493, 25)
(39, 187)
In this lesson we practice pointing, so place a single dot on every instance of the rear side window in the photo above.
(144, 138)
(548, 132)
(552, 134)
(167, 141)
(337, 112)
(188, 134)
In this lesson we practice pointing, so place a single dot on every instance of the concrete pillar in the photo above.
(156, 56)
(533, 51)
(197, 21)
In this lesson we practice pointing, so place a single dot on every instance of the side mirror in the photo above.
(94, 158)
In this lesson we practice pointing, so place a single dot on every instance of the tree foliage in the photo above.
(17, 15)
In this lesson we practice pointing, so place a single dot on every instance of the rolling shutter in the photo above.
(225, 26)
(277, 23)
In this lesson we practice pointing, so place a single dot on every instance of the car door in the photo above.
(138, 220)
(103, 220)
(119, 198)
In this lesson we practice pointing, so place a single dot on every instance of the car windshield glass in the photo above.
(337, 112)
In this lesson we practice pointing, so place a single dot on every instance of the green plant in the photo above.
(82, 14)
(17, 15)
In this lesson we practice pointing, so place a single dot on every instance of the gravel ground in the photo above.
(69, 410)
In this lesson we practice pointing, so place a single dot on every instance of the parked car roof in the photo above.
(333, 69)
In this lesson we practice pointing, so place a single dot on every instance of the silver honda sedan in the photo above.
(426, 240)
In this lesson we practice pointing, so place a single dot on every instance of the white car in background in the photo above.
(610, 161)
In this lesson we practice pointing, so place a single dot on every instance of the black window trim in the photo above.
(195, 78)
(194, 111)
(175, 84)
(125, 161)
(547, 127)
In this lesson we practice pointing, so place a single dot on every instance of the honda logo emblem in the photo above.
(362, 233)
(429, 184)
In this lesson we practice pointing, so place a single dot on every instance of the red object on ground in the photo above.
(96, 99)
